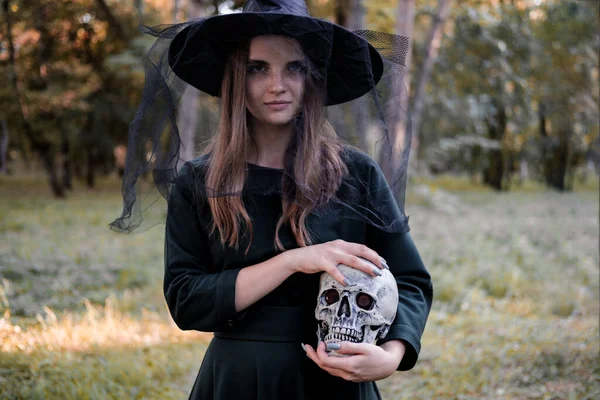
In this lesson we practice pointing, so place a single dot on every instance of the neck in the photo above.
(270, 143)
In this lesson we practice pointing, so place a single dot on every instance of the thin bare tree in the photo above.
(432, 46)
(356, 21)
(175, 10)
(3, 145)
(398, 120)
(412, 111)
(187, 118)
(139, 6)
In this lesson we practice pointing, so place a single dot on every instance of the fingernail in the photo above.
(384, 263)
(377, 272)
(333, 346)
(303, 347)
(347, 282)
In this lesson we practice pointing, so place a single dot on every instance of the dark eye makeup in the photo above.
(261, 66)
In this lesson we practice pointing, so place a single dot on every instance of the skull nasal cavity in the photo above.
(344, 307)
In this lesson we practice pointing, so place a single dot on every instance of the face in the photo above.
(275, 80)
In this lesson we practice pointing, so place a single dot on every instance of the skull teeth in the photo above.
(344, 334)
(336, 337)
(345, 331)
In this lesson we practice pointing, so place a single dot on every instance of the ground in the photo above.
(515, 313)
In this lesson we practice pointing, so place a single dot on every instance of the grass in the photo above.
(102, 354)
(515, 315)
(466, 183)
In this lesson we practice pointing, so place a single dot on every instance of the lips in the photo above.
(276, 106)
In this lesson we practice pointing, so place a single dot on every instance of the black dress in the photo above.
(256, 354)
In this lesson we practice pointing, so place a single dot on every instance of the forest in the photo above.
(501, 91)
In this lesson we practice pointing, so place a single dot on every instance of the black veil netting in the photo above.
(366, 103)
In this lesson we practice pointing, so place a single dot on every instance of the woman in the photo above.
(275, 199)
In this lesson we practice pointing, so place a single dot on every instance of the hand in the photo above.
(325, 257)
(363, 362)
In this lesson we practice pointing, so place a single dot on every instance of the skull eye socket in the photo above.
(331, 296)
(365, 301)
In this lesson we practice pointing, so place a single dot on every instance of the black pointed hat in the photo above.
(344, 60)
(362, 72)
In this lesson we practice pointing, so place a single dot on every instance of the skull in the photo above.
(361, 312)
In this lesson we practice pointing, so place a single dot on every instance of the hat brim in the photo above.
(198, 52)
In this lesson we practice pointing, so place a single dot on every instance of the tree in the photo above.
(58, 75)
(350, 120)
(405, 19)
(432, 47)
(187, 118)
(413, 107)
(3, 146)
(38, 142)
(568, 41)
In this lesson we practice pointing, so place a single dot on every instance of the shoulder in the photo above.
(196, 166)
(190, 176)
(192, 171)
(359, 163)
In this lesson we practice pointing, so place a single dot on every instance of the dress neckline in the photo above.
(256, 166)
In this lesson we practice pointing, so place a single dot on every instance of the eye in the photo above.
(296, 67)
(253, 68)
(365, 301)
(331, 296)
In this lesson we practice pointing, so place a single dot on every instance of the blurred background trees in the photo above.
(504, 91)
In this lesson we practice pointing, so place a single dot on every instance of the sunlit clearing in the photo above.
(98, 327)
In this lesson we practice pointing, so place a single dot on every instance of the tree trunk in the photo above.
(545, 142)
(65, 149)
(48, 160)
(397, 120)
(3, 145)
(39, 144)
(341, 12)
(558, 165)
(115, 25)
(187, 118)
(91, 173)
(555, 151)
(335, 114)
(44, 50)
(432, 47)
(350, 119)
(494, 173)
(356, 21)
(175, 10)
(139, 7)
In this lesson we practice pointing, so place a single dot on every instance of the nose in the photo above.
(344, 307)
(276, 82)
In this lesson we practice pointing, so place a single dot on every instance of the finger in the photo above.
(322, 349)
(336, 372)
(326, 361)
(342, 374)
(318, 355)
(337, 274)
(361, 264)
(354, 348)
(361, 250)
(312, 354)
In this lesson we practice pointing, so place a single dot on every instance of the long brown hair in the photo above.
(313, 155)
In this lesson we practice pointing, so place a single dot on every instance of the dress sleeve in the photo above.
(415, 291)
(197, 299)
